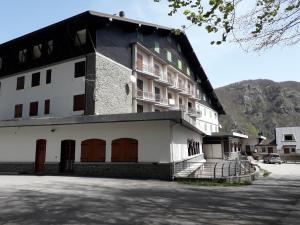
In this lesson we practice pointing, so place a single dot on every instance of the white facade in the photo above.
(288, 140)
(158, 141)
(60, 91)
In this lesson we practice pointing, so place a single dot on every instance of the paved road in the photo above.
(70, 200)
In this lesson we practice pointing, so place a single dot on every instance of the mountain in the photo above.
(260, 105)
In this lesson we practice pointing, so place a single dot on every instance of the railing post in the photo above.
(223, 169)
(215, 170)
(235, 168)
(229, 169)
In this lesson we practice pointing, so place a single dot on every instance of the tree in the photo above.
(259, 24)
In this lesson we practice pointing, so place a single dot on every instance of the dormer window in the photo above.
(50, 47)
(22, 56)
(140, 37)
(80, 38)
(289, 137)
(169, 56)
(179, 64)
(37, 51)
(156, 47)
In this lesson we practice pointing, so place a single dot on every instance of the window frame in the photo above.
(35, 79)
(20, 85)
(78, 102)
(78, 70)
(49, 76)
(47, 107)
(156, 47)
(18, 111)
(34, 109)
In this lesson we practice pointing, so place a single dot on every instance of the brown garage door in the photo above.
(40, 155)
(93, 150)
(124, 150)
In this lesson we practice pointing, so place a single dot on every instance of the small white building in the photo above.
(288, 140)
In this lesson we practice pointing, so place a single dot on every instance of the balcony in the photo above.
(182, 107)
(163, 80)
(193, 112)
(146, 70)
(145, 96)
(161, 102)
(173, 85)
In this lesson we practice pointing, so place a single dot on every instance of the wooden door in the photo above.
(93, 150)
(124, 150)
(40, 155)
(67, 156)
(286, 150)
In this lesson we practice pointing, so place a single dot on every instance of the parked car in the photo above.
(272, 158)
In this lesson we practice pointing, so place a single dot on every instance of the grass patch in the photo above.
(266, 173)
(218, 183)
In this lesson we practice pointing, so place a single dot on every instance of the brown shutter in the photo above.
(79, 102)
(47, 107)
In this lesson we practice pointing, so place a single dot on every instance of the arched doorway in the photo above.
(124, 150)
(40, 155)
(67, 156)
(93, 150)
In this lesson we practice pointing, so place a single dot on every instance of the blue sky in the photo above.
(223, 64)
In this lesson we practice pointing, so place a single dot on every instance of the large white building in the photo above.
(103, 95)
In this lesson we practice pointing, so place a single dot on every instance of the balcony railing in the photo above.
(182, 107)
(194, 112)
(145, 95)
(144, 67)
(159, 99)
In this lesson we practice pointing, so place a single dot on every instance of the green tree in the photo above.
(258, 24)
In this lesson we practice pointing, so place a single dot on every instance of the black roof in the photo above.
(182, 38)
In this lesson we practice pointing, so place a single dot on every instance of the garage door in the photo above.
(93, 150)
(124, 150)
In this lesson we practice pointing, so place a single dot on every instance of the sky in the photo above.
(223, 64)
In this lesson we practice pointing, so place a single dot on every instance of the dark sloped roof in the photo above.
(182, 38)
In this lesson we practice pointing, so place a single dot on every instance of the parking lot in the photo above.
(73, 200)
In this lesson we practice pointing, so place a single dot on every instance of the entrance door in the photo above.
(67, 156)
(157, 94)
(40, 155)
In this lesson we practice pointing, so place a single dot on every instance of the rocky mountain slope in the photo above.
(260, 105)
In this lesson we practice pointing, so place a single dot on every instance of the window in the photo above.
(263, 149)
(289, 137)
(204, 97)
(79, 69)
(22, 56)
(80, 38)
(140, 36)
(20, 83)
(18, 110)
(188, 71)
(48, 76)
(156, 70)
(179, 64)
(169, 56)
(34, 108)
(169, 39)
(293, 150)
(1, 62)
(179, 48)
(35, 79)
(140, 108)
(79, 102)
(47, 107)
(139, 62)
(37, 51)
(50, 47)
(156, 48)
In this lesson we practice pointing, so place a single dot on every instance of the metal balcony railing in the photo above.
(182, 107)
(161, 100)
(144, 67)
(145, 95)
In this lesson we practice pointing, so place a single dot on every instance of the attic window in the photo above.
(156, 48)
(37, 51)
(140, 37)
(169, 56)
(179, 64)
(188, 71)
(179, 48)
(50, 47)
(22, 56)
(289, 137)
(80, 38)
